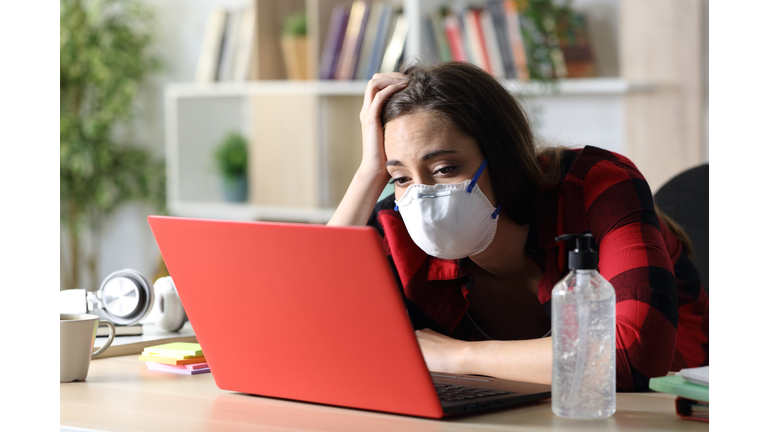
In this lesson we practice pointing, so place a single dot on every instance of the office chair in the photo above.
(685, 198)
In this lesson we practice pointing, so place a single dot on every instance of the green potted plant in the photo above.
(231, 157)
(104, 56)
(294, 43)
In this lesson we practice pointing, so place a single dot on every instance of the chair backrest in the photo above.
(685, 198)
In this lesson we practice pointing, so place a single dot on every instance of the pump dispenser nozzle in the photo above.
(583, 257)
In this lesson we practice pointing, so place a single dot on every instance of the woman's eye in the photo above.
(446, 170)
(399, 181)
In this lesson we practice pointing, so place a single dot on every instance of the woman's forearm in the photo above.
(526, 360)
(360, 198)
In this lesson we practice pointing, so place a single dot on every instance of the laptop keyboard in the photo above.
(454, 393)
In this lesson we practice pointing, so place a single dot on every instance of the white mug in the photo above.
(77, 335)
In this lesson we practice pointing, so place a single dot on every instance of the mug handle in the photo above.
(109, 341)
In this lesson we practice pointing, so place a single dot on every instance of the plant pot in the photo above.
(295, 57)
(235, 188)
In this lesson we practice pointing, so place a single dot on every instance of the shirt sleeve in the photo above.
(633, 257)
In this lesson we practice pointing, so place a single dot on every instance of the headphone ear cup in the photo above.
(171, 315)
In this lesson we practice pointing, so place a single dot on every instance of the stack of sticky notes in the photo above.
(177, 357)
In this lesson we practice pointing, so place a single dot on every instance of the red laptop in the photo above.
(312, 313)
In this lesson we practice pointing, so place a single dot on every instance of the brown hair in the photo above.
(481, 107)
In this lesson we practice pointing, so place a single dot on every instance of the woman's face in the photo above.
(421, 149)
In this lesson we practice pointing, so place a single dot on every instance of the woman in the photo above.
(470, 231)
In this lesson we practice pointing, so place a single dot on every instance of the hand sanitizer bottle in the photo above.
(583, 337)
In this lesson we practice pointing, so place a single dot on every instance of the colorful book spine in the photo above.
(436, 22)
(384, 30)
(491, 44)
(476, 39)
(496, 11)
(208, 62)
(454, 38)
(516, 40)
(352, 40)
(369, 36)
(396, 45)
(333, 42)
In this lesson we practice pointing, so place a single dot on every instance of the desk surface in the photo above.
(121, 394)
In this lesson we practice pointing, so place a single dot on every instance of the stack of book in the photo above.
(506, 43)
(227, 46)
(363, 39)
(691, 386)
(177, 357)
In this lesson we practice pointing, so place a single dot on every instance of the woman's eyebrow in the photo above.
(436, 153)
(425, 157)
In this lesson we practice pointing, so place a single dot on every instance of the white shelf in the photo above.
(581, 86)
(266, 87)
(249, 212)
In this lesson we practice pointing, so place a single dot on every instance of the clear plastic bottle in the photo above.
(583, 338)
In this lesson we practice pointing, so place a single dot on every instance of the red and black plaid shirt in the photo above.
(662, 311)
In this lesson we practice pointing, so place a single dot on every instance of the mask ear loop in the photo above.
(477, 176)
(471, 186)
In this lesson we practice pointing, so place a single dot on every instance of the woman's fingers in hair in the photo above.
(379, 82)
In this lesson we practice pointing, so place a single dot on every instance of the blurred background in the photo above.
(248, 109)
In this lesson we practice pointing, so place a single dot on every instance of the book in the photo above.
(175, 348)
(384, 30)
(438, 32)
(491, 44)
(475, 39)
(353, 39)
(465, 39)
(244, 51)
(210, 51)
(516, 41)
(229, 46)
(677, 385)
(692, 409)
(496, 10)
(396, 44)
(454, 38)
(369, 36)
(333, 41)
(121, 330)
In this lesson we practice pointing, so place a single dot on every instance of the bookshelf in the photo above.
(305, 137)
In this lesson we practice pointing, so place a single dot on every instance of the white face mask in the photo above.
(449, 221)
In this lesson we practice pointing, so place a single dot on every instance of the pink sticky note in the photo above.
(167, 368)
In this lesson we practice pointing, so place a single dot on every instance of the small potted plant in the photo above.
(232, 162)
(294, 43)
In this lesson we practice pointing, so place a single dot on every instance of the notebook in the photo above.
(312, 313)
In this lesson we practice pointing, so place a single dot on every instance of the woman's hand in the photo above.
(442, 353)
(371, 177)
(380, 88)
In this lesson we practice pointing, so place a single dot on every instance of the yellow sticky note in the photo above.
(175, 349)
(170, 355)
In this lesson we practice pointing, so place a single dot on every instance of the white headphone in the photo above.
(171, 315)
(125, 297)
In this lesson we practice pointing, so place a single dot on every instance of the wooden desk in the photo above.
(121, 394)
